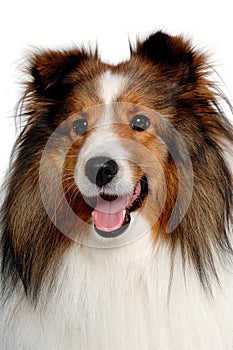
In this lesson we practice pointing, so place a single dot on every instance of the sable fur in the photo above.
(168, 76)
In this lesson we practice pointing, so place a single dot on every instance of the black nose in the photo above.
(101, 170)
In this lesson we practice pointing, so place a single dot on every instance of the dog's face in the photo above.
(117, 166)
(114, 152)
(119, 140)
(124, 137)
(114, 156)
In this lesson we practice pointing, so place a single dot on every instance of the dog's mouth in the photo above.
(111, 214)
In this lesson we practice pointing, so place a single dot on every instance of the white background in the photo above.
(28, 24)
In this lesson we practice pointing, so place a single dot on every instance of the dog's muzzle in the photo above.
(111, 212)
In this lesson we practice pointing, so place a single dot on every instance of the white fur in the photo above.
(104, 142)
(138, 228)
(120, 299)
(110, 86)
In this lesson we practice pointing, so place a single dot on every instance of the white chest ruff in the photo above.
(120, 299)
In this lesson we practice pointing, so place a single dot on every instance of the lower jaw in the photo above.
(117, 232)
(137, 204)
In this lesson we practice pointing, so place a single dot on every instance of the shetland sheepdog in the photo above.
(116, 227)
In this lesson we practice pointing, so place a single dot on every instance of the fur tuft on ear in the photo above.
(50, 68)
(172, 54)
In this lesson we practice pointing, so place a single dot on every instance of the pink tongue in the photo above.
(109, 216)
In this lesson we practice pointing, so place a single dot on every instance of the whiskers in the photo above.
(71, 190)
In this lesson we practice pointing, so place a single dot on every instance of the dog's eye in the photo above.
(80, 126)
(140, 122)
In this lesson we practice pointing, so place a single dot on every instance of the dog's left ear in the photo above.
(173, 55)
(49, 70)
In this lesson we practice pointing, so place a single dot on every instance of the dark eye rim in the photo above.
(142, 127)
(82, 128)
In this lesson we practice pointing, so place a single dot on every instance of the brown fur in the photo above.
(166, 75)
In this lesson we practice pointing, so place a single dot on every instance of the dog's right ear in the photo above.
(49, 70)
(173, 55)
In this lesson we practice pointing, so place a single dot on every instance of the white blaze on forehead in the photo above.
(104, 142)
(111, 85)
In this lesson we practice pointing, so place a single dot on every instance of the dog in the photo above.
(116, 227)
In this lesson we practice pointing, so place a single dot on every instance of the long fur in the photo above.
(168, 290)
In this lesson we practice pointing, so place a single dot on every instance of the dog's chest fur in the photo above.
(124, 298)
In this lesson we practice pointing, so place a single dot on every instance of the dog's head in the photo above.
(120, 151)
(120, 124)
